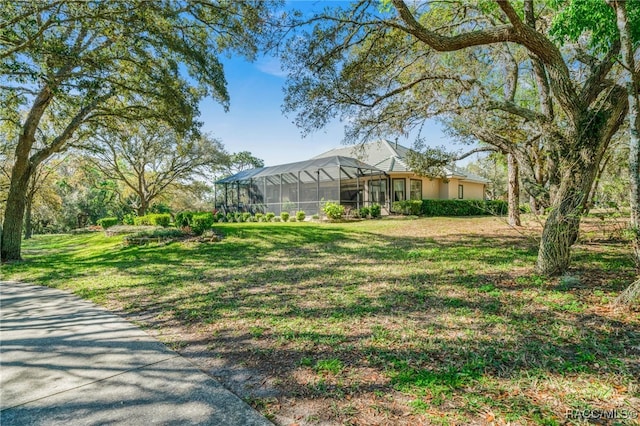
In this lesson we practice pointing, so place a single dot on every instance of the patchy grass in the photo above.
(376, 322)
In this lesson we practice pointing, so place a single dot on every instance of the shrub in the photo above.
(161, 219)
(300, 215)
(184, 218)
(524, 208)
(129, 219)
(156, 219)
(463, 207)
(375, 210)
(333, 211)
(269, 217)
(142, 221)
(246, 217)
(292, 219)
(107, 222)
(201, 222)
(259, 217)
(230, 217)
(315, 216)
(363, 212)
(413, 207)
(276, 219)
(284, 216)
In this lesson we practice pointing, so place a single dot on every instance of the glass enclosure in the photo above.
(306, 186)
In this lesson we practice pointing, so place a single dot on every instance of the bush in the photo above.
(463, 207)
(315, 216)
(201, 222)
(375, 210)
(363, 212)
(284, 216)
(300, 215)
(524, 208)
(246, 217)
(160, 219)
(230, 217)
(269, 217)
(129, 219)
(155, 219)
(412, 207)
(259, 217)
(333, 211)
(184, 218)
(292, 219)
(276, 219)
(107, 222)
(142, 221)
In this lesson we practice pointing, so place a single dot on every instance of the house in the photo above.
(353, 176)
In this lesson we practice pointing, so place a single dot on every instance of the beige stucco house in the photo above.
(402, 183)
(353, 176)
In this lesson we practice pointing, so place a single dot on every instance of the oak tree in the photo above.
(76, 63)
(387, 68)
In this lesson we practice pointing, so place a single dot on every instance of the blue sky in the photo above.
(255, 121)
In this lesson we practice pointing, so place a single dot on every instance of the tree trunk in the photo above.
(562, 226)
(21, 172)
(142, 209)
(514, 191)
(596, 183)
(633, 86)
(28, 226)
(14, 215)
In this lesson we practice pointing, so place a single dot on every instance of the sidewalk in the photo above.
(66, 361)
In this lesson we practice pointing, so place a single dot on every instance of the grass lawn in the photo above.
(426, 321)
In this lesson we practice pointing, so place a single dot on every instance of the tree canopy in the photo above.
(493, 66)
(75, 64)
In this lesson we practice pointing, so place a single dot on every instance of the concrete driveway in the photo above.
(66, 361)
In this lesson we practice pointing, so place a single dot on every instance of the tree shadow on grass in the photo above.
(446, 314)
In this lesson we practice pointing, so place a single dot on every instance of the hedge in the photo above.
(158, 219)
(107, 222)
(450, 207)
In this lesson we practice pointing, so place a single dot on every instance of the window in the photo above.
(378, 191)
(460, 192)
(399, 189)
(415, 189)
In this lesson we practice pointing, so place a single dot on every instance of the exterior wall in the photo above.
(436, 189)
(430, 188)
(473, 190)
(444, 190)
(452, 193)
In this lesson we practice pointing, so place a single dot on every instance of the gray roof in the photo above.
(381, 154)
(391, 157)
(313, 165)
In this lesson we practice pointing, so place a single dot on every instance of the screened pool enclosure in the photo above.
(305, 185)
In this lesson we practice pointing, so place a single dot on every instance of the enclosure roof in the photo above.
(312, 165)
